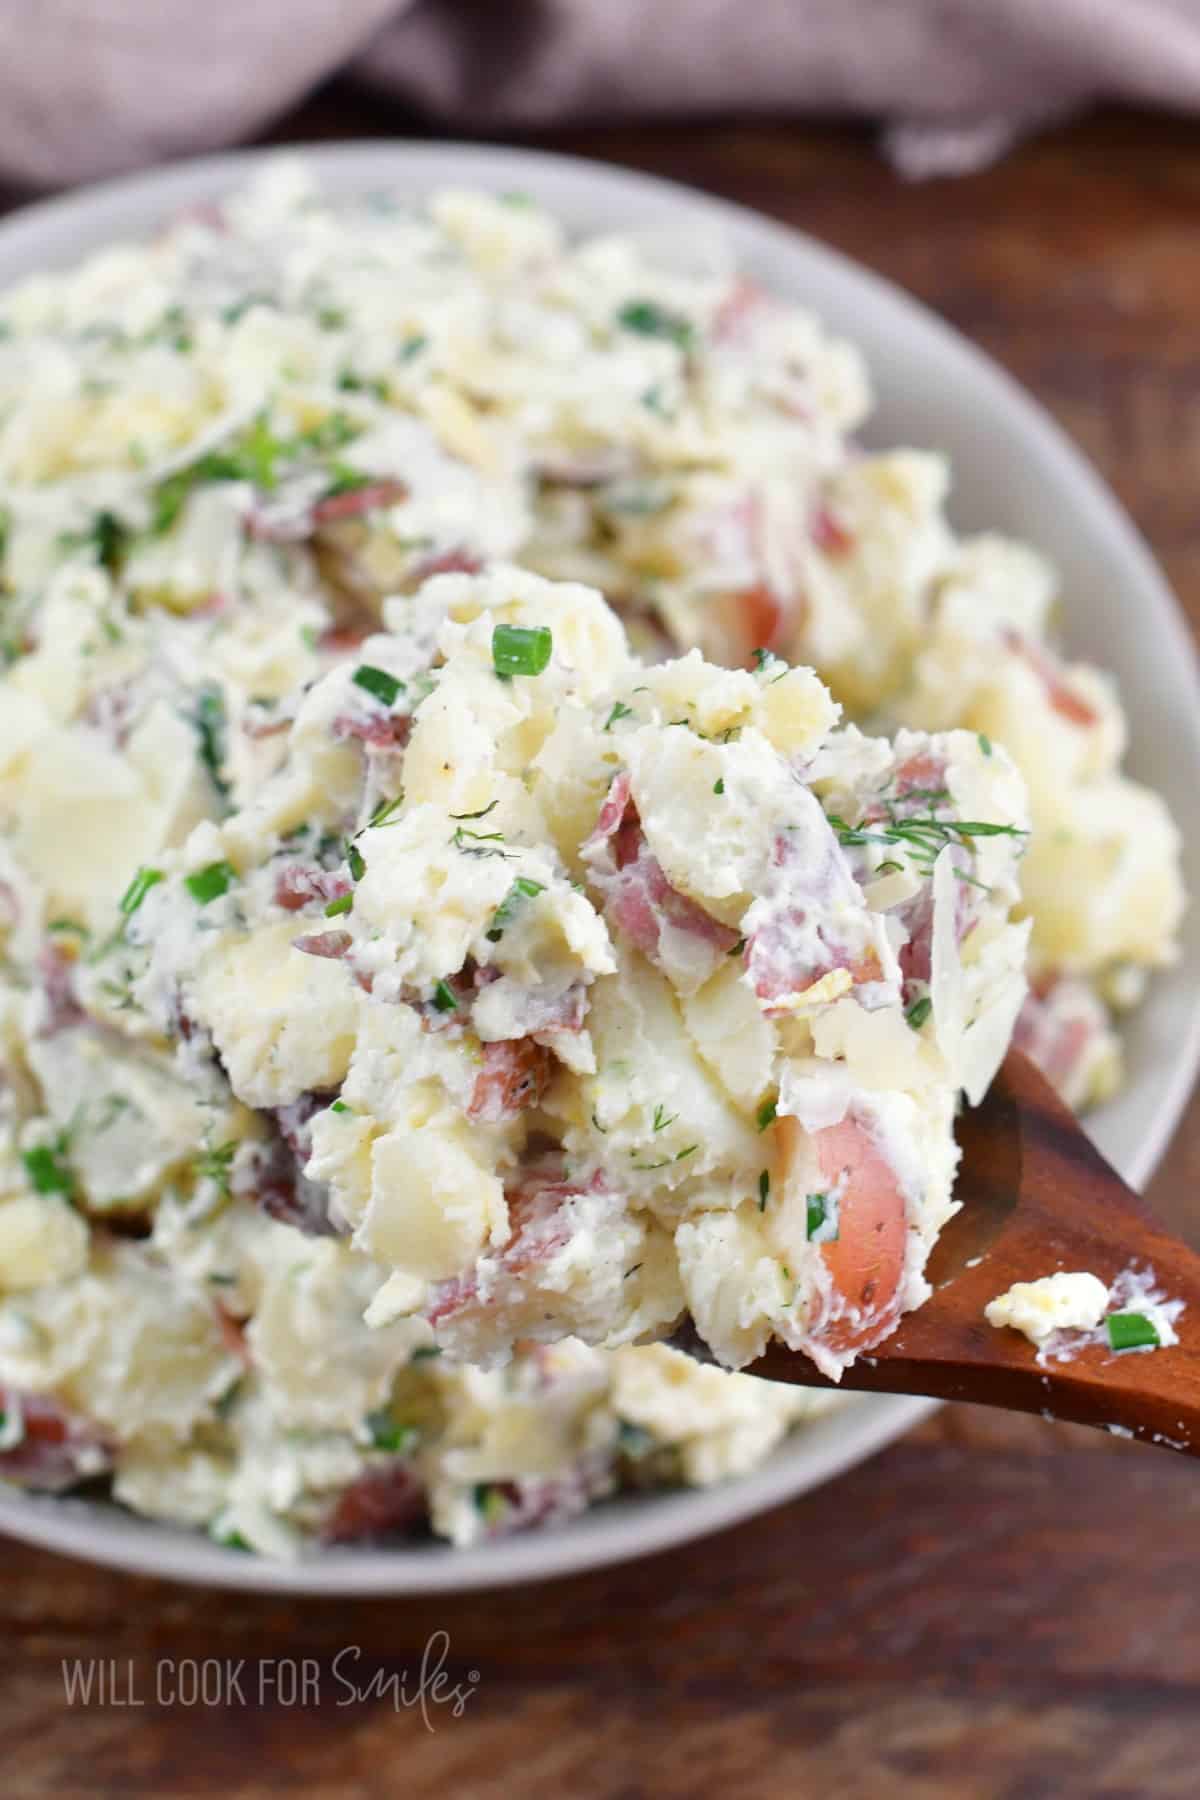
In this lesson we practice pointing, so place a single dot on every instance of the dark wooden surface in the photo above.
(994, 1607)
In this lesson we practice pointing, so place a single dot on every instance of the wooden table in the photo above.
(993, 1607)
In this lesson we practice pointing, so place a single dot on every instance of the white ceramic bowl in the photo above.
(1014, 471)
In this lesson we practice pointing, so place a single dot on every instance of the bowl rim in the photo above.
(51, 233)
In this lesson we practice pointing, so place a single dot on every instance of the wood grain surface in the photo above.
(994, 1607)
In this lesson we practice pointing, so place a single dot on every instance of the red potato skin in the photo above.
(866, 1260)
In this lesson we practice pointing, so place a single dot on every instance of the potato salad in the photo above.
(448, 931)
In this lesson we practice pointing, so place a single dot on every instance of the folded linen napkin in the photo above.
(92, 86)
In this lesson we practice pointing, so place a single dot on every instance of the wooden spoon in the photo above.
(1037, 1197)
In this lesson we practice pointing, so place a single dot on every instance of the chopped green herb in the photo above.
(443, 998)
(138, 888)
(522, 889)
(1131, 1331)
(489, 1501)
(764, 1190)
(388, 1434)
(985, 743)
(378, 682)
(521, 649)
(383, 812)
(425, 1353)
(215, 1165)
(345, 480)
(109, 537)
(210, 723)
(333, 433)
(330, 318)
(231, 1540)
(69, 925)
(481, 843)
(633, 1441)
(412, 346)
(738, 947)
(343, 904)
(47, 1173)
(649, 319)
(619, 711)
(719, 785)
(821, 1219)
(662, 1118)
(339, 1106)
(351, 382)
(310, 637)
(666, 1161)
(925, 838)
(766, 1114)
(890, 867)
(354, 861)
(210, 883)
(481, 814)
(919, 1011)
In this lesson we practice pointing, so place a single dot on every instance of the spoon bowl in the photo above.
(1037, 1197)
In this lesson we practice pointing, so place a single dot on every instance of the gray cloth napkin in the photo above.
(88, 87)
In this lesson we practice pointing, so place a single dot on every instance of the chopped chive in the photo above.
(919, 1011)
(345, 480)
(634, 1441)
(210, 723)
(69, 925)
(738, 947)
(210, 882)
(649, 319)
(215, 1164)
(45, 1171)
(138, 888)
(821, 1219)
(443, 998)
(619, 711)
(343, 904)
(339, 1106)
(388, 1434)
(766, 1114)
(520, 649)
(378, 682)
(425, 1353)
(764, 1189)
(355, 863)
(109, 536)
(521, 889)
(719, 785)
(662, 1118)
(985, 743)
(1131, 1331)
